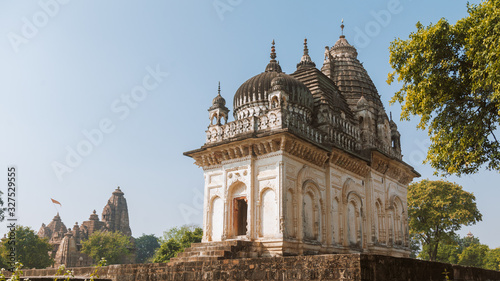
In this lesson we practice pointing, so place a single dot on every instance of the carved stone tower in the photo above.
(115, 214)
(310, 165)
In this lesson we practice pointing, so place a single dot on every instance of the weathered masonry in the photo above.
(341, 267)
(311, 164)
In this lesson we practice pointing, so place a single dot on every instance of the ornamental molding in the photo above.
(261, 148)
(349, 163)
(392, 168)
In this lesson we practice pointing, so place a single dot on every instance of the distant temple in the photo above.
(311, 164)
(67, 242)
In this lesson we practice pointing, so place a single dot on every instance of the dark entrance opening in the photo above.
(240, 216)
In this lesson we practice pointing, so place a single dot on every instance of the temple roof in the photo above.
(323, 89)
(255, 91)
(350, 76)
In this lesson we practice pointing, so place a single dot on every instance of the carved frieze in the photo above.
(392, 168)
(214, 156)
(350, 163)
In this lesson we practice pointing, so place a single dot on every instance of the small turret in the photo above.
(218, 110)
(395, 135)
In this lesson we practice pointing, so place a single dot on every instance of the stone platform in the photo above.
(335, 267)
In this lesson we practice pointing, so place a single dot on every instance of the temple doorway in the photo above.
(240, 216)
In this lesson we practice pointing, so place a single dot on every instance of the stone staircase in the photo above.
(232, 249)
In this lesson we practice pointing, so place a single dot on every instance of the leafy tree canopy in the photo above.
(112, 246)
(474, 255)
(492, 259)
(31, 250)
(466, 251)
(447, 252)
(450, 76)
(146, 246)
(436, 209)
(175, 240)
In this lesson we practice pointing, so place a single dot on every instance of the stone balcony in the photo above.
(274, 120)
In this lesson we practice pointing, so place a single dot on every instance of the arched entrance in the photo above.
(238, 206)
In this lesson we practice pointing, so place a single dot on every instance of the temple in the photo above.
(67, 242)
(311, 164)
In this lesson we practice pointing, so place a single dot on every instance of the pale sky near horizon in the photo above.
(69, 69)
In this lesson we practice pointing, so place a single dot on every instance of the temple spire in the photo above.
(218, 91)
(305, 61)
(273, 66)
(342, 28)
(273, 52)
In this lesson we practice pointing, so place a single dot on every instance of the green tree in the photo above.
(468, 241)
(450, 76)
(473, 255)
(146, 246)
(112, 246)
(492, 259)
(176, 240)
(414, 246)
(436, 209)
(447, 253)
(30, 250)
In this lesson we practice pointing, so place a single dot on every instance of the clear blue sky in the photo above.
(67, 68)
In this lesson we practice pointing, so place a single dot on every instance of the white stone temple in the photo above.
(311, 164)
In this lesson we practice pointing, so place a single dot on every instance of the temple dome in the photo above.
(253, 94)
(218, 101)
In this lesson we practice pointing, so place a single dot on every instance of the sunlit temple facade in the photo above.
(311, 164)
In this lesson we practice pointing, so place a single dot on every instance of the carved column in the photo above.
(252, 191)
(328, 219)
(206, 209)
(281, 179)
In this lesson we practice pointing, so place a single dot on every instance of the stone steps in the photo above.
(212, 251)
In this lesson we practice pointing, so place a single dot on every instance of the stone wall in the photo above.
(348, 267)
(60, 279)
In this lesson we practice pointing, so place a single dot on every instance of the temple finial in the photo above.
(273, 52)
(305, 61)
(342, 27)
(219, 89)
(390, 114)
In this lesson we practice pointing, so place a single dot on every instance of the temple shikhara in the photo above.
(311, 164)
(67, 242)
